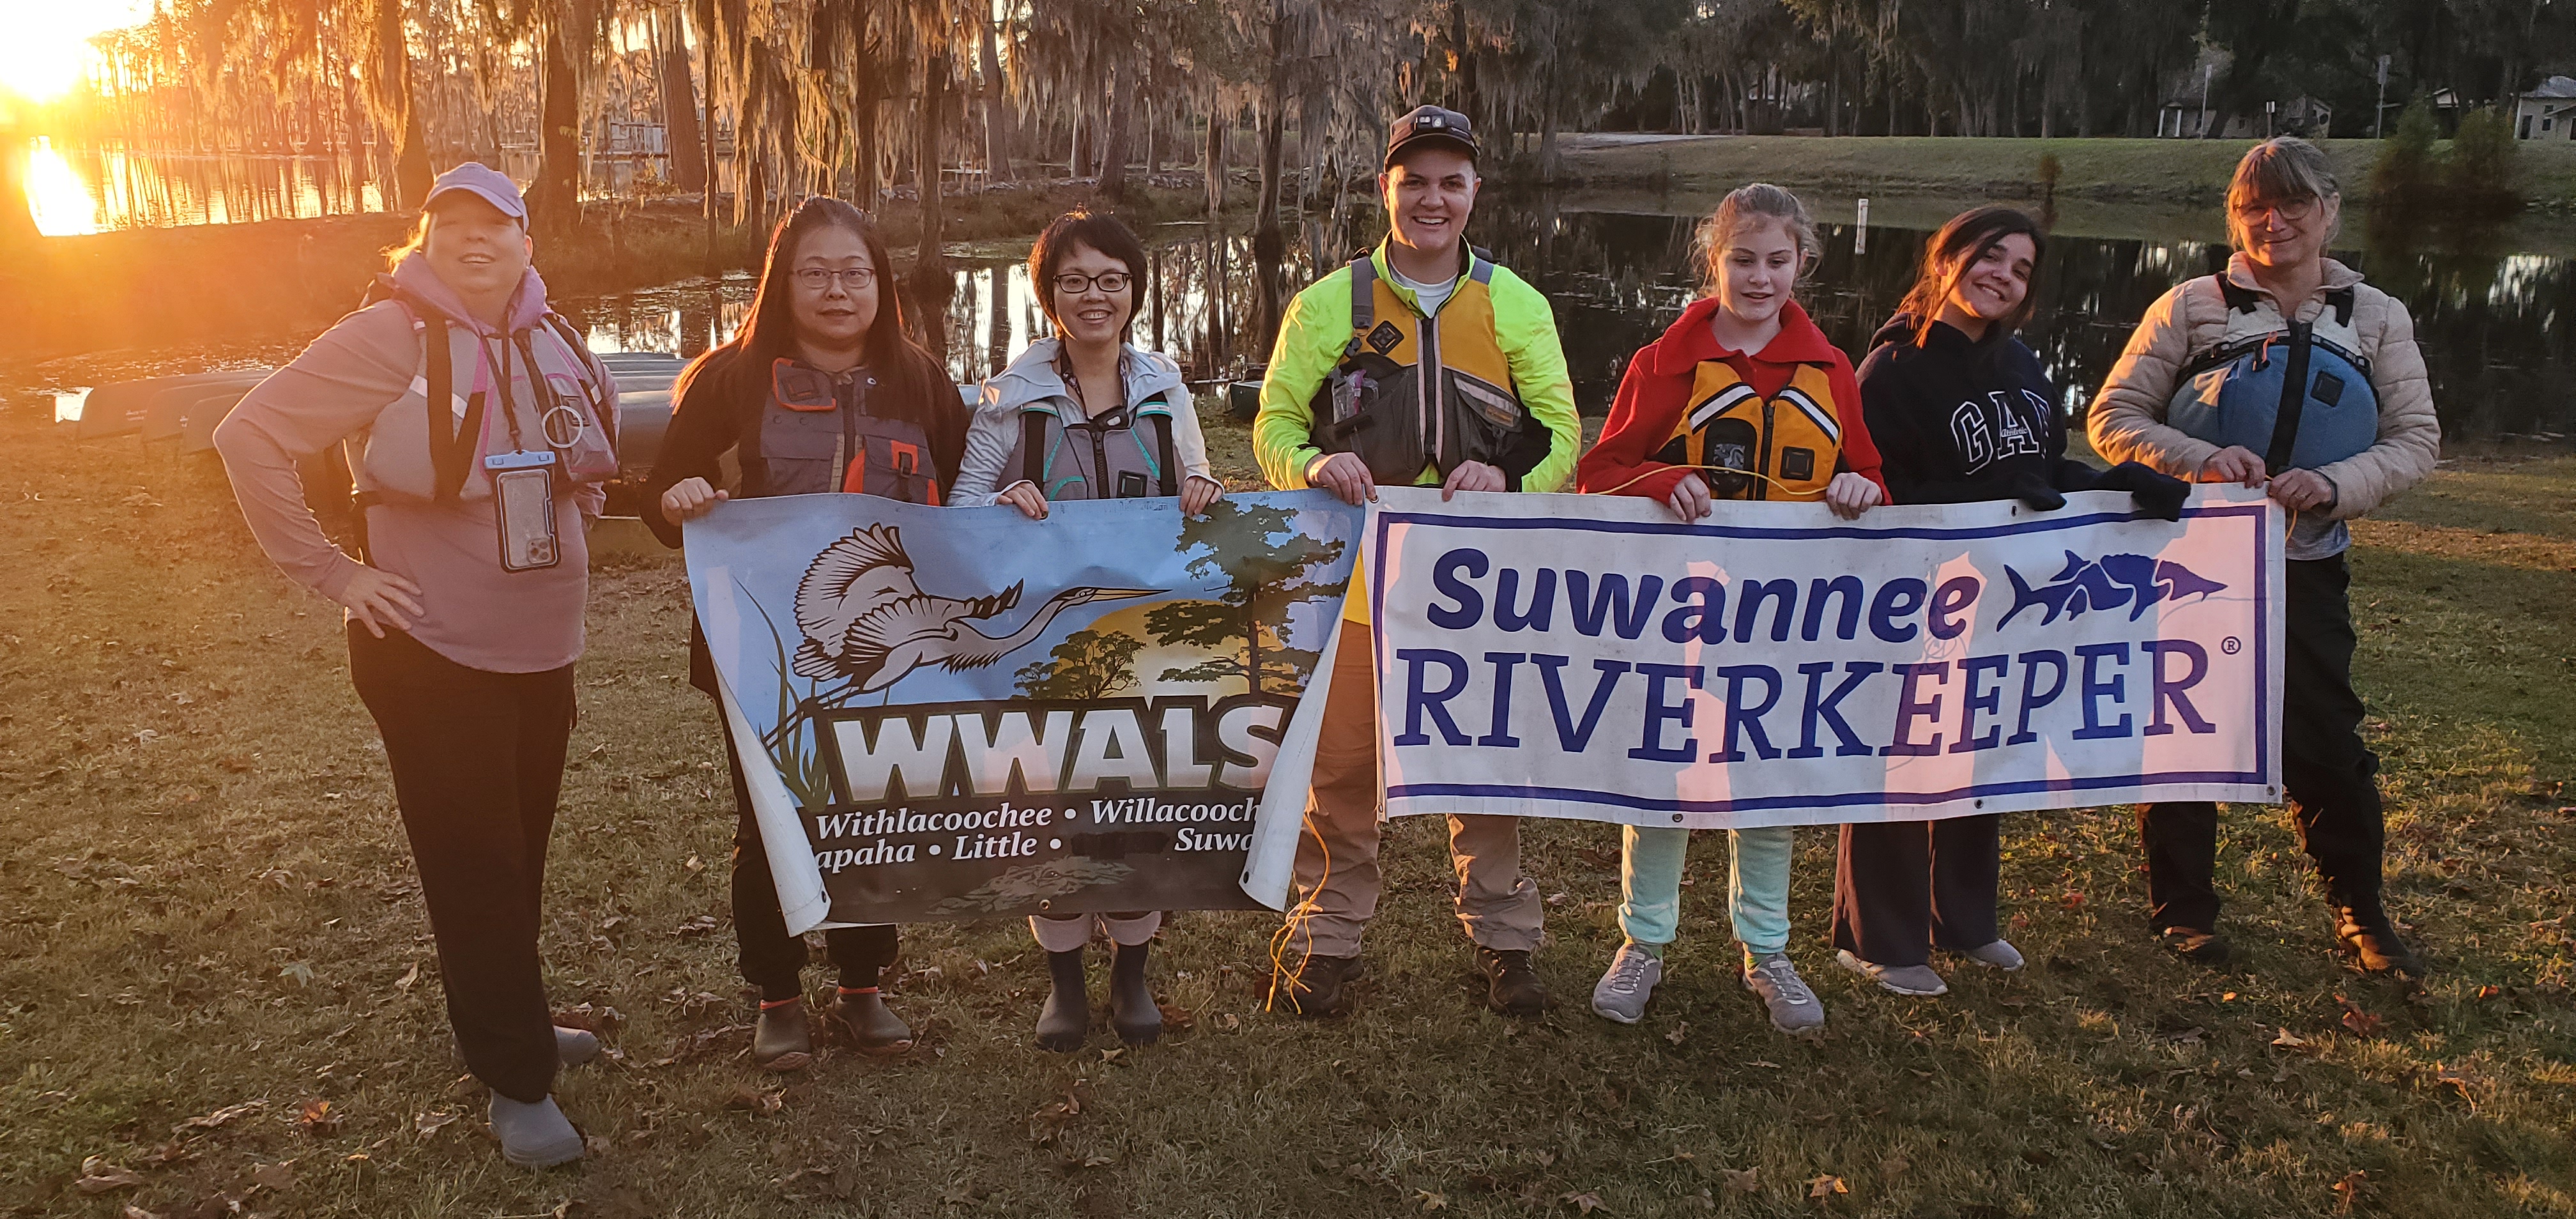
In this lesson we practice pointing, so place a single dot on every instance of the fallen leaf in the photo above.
(1176, 1018)
(1826, 1186)
(98, 1176)
(219, 1117)
(2290, 1041)
(1744, 1181)
(1680, 1031)
(1430, 1201)
(410, 978)
(1583, 1203)
(2348, 1190)
(2490, 992)
(2444, 1073)
(279, 1176)
(2362, 1023)
(746, 1097)
(1702, 1200)
(301, 971)
(2072, 901)
(695, 864)
(433, 1121)
(136, 1212)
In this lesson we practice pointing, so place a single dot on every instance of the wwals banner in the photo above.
(952, 713)
(1591, 657)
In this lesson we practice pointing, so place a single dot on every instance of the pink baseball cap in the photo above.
(483, 182)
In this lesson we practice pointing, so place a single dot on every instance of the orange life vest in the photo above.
(1786, 446)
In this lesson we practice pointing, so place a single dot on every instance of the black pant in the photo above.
(1901, 887)
(478, 760)
(770, 958)
(2331, 777)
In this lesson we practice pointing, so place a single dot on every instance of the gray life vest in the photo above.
(1125, 454)
(817, 436)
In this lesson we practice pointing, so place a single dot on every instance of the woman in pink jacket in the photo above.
(2290, 373)
(480, 430)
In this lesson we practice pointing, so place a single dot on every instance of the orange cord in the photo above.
(1784, 487)
(1298, 916)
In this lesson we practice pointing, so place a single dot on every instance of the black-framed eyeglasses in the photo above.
(819, 279)
(1075, 283)
(2294, 211)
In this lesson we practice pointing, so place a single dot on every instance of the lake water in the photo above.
(2488, 318)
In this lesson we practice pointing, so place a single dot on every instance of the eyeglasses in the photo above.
(819, 279)
(1074, 283)
(2289, 211)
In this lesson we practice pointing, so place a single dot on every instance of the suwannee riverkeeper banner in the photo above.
(949, 713)
(1591, 657)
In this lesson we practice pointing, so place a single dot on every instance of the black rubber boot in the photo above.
(1066, 1018)
(1132, 1011)
(2364, 927)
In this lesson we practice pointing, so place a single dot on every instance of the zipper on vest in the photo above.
(1435, 419)
(1762, 452)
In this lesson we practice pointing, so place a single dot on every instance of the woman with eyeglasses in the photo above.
(822, 391)
(1088, 415)
(2285, 372)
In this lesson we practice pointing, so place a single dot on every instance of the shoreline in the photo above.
(144, 288)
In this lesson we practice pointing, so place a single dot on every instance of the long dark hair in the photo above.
(1957, 247)
(739, 368)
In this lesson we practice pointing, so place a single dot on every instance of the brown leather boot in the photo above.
(780, 1041)
(874, 1028)
(1314, 986)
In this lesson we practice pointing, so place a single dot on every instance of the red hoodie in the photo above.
(1656, 390)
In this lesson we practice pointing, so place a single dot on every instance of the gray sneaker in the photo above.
(1793, 1007)
(1622, 993)
(534, 1136)
(1916, 981)
(2000, 954)
(574, 1047)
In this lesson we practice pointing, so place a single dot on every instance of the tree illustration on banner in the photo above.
(1267, 563)
(1087, 665)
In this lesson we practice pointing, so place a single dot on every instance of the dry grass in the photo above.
(222, 913)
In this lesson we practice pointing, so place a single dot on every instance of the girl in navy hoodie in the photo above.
(1962, 412)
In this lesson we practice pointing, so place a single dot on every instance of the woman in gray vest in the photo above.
(821, 391)
(481, 432)
(1088, 415)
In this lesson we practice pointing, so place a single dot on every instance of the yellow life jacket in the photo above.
(1413, 392)
(1786, 446)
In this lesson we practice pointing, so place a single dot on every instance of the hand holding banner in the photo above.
(1590, 657)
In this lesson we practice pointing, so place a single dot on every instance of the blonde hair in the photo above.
(394, 254)
(2282, 168)
(1741, 208)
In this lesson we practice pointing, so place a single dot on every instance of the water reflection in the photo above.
(2487, 320)
(78, 189)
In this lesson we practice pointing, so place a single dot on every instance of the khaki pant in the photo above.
(1337, 857)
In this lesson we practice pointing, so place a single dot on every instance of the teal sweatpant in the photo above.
(1757, 891)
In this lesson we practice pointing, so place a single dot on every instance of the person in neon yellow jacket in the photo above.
(1424, 363)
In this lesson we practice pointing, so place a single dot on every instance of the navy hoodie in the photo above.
(1961, 420)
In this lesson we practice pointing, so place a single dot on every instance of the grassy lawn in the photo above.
(2175, 171)
(205, 904)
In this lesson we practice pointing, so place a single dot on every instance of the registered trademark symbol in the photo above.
(2231, 645)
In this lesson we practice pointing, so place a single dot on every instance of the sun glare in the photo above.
(56, 195)
(45, 50)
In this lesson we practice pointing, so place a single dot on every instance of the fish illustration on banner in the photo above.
(1591, 657)
(963, 713)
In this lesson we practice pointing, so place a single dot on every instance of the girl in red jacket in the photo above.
(1743, 398)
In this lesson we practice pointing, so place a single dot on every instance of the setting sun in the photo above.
(46, 50)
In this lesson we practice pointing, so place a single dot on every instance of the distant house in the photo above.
(2184, 118)
(2548, 112)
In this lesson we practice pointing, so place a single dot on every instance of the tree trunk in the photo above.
(1547, 166)
(1268, 243)
(1113, 144)
(555, 211)
(999, 122)
(1213, 165)
(931, 285)
(680, 137)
